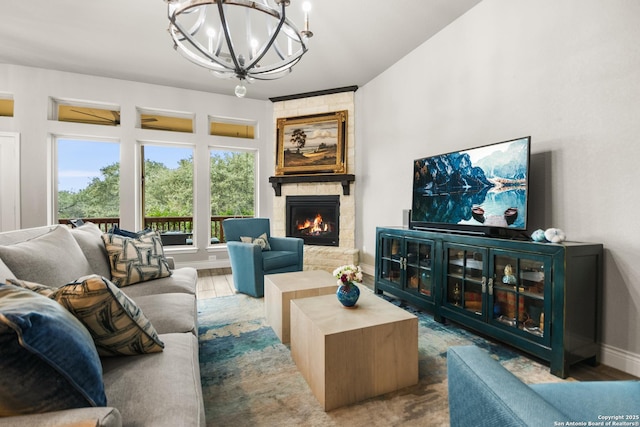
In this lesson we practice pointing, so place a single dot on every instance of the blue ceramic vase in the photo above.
(348, 294)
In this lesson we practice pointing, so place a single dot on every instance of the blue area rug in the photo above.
(250, 379)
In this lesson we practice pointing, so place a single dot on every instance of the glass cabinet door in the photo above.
(419, 256)
(391, 260)
(518, 293)
(465, 278)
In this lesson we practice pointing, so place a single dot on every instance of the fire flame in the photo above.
(315, 226)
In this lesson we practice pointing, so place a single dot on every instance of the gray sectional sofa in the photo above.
(161, 388)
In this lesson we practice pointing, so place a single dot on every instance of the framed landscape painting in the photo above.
(311, 144)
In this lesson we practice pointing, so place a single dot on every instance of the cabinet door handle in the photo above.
(484, 285)
(491, 286)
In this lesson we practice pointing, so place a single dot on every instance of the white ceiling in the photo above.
(354, 41)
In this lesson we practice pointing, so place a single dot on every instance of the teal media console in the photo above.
(541, 298)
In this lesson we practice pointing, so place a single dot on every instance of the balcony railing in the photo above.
(166, 225)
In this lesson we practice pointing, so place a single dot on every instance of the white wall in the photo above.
(566, 73)
(31, 89)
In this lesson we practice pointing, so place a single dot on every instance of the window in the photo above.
(235, 128)
(167, 121)
(85, 112)
(167, 192)
(232, 187)
(6, 105)
(88, 180)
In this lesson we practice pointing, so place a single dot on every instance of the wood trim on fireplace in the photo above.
(344, 179)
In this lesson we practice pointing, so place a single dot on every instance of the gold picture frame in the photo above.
(312, 144)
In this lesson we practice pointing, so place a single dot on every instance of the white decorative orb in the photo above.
(554, 235)
(241, 91)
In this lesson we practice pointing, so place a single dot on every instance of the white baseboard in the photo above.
(368, 269)
(205, 265)
(623, 360)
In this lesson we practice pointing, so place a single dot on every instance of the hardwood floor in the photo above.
(219, 283)
(215, 283)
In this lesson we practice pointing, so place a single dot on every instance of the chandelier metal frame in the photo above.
(188, 19)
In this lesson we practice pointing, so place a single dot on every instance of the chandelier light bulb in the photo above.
(306, 33)
(211, 33)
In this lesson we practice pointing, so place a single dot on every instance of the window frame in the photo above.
(140, 185)
(253, 124)
(52, 194)
(167, 121)
(256, 187)
(113, 109)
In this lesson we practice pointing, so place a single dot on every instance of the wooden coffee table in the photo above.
(347, 355)
(281, 288)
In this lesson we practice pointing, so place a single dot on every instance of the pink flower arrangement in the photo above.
(348, 273)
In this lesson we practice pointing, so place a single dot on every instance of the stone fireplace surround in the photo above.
(322, 257)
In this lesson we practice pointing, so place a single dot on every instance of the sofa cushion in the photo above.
(169, 383)
(47, 358)
(136, 259)
(273, 260)
(23, 234)
(182, 280)
(117, 324)
(53, 259)
(89, 238)
(262, 241)
(170, 312)
(79, 417)
(5, 272)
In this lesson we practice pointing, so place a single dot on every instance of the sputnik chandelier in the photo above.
(239, 39)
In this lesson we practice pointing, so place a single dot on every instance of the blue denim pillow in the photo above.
(126, 233)
(48, 360)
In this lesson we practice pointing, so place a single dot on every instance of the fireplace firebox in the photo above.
(316, 219)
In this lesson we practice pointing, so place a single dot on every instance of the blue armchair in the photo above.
(251, 261)
(483, 393)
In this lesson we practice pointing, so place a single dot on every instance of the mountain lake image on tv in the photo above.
(475, 188)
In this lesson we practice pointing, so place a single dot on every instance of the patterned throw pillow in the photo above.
(136, 259)
(48, 361)
(118, 326)
(261, 241)
(38, 288)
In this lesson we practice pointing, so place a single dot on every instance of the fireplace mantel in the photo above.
(344, 179)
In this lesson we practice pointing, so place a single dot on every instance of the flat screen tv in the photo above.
(479, 190)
